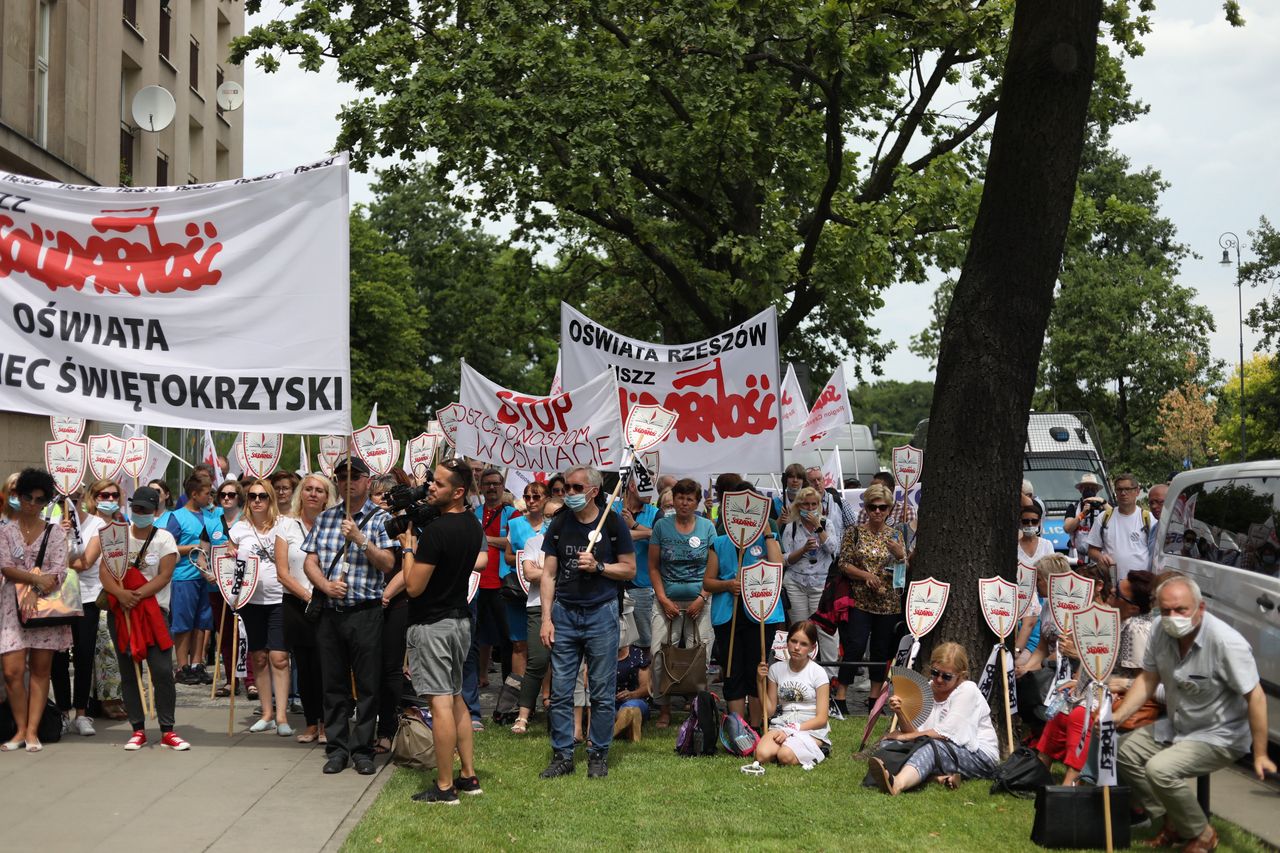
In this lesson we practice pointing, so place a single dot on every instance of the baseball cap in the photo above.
(146, 499)
(355, 464)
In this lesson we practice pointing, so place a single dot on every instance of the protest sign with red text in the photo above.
(830, 410)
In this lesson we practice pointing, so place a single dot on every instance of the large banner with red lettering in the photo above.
(501, 427)
(724, 390)
(223, 305)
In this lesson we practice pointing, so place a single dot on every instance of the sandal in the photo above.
(382, 747)
(520, 726)
(222, 692)
(309, 736)
(252, 692)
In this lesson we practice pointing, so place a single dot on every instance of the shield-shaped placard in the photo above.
(473, 586)
(418, 454)
(376, 446)
(1097, 633)
(106, 453)
(113, 539)
(136, 452)
(332, 448)
(761, 588)
(69, 429)
(999, 600)
(261, 451)
(648, 425)
(1026, 588)
(745, 515)
(448, 419)
(652, 462)
(1068, 593)
(65, 461)
(907, 461)
(521, 556)
(926, 599)
(237, 579)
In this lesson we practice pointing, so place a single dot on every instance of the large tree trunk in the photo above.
(994, 332)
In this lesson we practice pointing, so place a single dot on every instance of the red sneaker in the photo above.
(174, 742)
(138, 741)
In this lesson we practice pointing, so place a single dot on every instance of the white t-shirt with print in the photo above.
(290, 530)
(251, 542)
(90, 580)
(1124, 541)
(162, 545)
(798, 694)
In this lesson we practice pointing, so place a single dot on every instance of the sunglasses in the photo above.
(947, 677)
(877, 508)
(1030, 521)
(535, 496)
(222, 496)
(258, 496)
(576, 488)
(38, 501)
(107, 496)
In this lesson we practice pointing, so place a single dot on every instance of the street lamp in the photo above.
(1229, 241)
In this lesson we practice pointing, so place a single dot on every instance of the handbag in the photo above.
(60, 606)
(510, 590)
(414, 744)
(1073, 817)
(1021, 773)
(684, 670)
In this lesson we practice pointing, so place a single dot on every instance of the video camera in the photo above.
(412, 501)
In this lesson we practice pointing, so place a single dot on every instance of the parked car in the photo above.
(1219, 527)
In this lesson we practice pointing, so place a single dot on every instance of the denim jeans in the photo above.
(590, 633)
(642, 602)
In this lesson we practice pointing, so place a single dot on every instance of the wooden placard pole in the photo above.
(764, 682)
(733, 624)
(627, 458)
(137, 670)
(1008, 714)
(217, 649)
(1106, 814)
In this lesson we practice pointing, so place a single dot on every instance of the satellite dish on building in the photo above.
(230, 95)
(153, 108)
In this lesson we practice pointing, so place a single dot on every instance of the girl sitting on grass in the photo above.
(800, 733)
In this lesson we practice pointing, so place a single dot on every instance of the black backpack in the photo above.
(698, 734)
(1021, 774)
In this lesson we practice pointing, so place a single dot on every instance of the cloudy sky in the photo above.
(1212, 131)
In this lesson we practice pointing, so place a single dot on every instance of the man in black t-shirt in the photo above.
(439, 633)
(581, 583)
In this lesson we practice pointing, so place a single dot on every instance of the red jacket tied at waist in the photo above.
(146, 621)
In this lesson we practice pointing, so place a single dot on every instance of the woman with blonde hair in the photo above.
(254, 536)
(313, 496)
(961, 743)
(7, 499)
(867, 554)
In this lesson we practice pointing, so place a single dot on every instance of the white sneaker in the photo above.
(83, 726)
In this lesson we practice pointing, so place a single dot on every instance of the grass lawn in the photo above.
(654, 799)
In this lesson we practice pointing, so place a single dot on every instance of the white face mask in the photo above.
(1030, 532)
(1177, 626)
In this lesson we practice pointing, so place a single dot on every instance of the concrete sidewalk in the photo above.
(245, 792)
(1252, 805)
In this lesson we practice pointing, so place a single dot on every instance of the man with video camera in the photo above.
(1083, 515)
(439, 634)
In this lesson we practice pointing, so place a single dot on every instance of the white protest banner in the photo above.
(120, 300)
(66, 461)
(926, 599)
(581, 426)
(829, 411)
(745, 515)
(794, 408)
(260, 452)
(376, 447)
(69, 428)
(832, 470)
(724, 390)
(907, 462)
(998, 598)
(1068, 593)
(137, 450)
(106, 453)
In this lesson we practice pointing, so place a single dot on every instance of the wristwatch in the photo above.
(360, 546)
(704, 596)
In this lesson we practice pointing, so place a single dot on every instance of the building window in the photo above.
(126, 155)
(195, 65)
(43, 24)
(131, 13)
(218, 88)
(162, 169)
(166, 20)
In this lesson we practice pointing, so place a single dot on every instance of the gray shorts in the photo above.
(437, 653)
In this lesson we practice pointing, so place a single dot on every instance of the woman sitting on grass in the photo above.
(800, 733)
(962, 742)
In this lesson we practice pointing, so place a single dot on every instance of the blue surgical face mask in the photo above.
(14, 503)
(575, 502)
(143, 519)
(109, 507)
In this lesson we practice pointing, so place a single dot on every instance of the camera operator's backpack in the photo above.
(698, 733)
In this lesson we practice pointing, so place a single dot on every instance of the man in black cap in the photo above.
(348, 554)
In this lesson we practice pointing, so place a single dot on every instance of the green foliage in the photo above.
(706, 158)
(1264, 271)
(892, 405)
(1262, 410)
(387, 320)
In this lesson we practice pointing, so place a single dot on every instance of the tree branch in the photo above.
(950, 144)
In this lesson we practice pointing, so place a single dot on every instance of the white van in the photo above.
(1219, 527)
